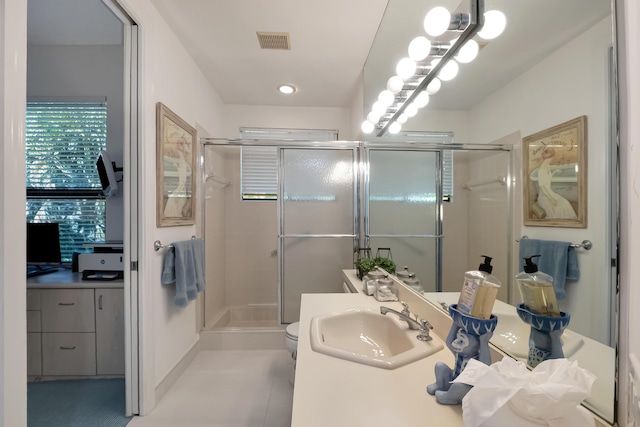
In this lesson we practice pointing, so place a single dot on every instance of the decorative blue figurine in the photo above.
(468, 339)
(544, 339)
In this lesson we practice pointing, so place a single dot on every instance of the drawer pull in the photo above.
(68, 348)
(66, 303)
(100, 303)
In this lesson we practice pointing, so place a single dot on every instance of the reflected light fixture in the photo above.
(430, 62)
(394, 128)
(494, 24)
(287, 89)
(468, 52)
(406, 68)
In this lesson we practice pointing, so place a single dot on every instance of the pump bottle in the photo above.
(479, 291)
(536, 289)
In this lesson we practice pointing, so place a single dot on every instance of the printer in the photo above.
(104, 263)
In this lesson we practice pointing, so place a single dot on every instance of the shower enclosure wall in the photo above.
(261, 255)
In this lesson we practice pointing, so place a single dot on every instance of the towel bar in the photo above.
(586, 244)
(157, 245)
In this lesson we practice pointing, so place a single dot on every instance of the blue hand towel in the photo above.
(557, 259)
(184, 265)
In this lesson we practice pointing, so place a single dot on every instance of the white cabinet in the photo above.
(75, 332)
(109, 304)
(67, 310)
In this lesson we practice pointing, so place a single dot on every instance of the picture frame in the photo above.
(555, 176)
(176, 149)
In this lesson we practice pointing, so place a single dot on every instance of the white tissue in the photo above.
(508, 394)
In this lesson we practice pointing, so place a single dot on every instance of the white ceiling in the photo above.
(330, 42)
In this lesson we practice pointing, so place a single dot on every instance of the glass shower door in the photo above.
(402, 210)
(317, 222)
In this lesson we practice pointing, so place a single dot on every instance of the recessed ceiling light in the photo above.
(287, 89)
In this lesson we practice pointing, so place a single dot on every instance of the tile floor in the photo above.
(235, 388)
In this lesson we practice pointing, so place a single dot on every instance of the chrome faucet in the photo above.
(414, 324)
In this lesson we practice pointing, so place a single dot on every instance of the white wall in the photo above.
(168, 75)
(569, 83)
(78, 71)
(13, 301)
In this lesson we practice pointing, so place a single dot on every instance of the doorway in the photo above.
(80, 62)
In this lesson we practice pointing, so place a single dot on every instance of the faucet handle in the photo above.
(424, 330)
(405, 308)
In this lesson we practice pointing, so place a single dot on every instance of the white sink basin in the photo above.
(365, 336)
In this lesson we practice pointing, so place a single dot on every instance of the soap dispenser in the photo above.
(536, 289)
(479, 291)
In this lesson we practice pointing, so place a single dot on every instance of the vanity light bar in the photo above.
(475, 23)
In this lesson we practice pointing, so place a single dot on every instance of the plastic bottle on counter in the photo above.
(479, 291)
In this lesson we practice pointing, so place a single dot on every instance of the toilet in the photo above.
(291, 336)
(291, 342)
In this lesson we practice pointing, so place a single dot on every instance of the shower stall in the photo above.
(334, 198)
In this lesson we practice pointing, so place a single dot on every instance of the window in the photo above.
(63, 140)
(259, 164)
(447, 158)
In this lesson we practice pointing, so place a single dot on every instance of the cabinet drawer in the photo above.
(34, 354)
(33, 321)
(68, 354)
(33, 299)
(68, 310)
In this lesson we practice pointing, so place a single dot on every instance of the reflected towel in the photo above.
(184, 265)
(557, 259)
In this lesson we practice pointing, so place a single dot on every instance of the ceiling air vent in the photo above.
(274, 40)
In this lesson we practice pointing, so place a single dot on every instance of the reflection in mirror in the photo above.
(551, 65)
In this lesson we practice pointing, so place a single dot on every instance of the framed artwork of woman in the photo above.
(176, 158)
(555, 176)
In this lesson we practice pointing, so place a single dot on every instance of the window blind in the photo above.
(63, 140)
(259, 164)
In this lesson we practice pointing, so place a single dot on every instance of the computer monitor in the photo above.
(43, 243)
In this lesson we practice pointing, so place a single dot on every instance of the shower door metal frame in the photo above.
(409, 144)
(438, 216)
(354, 146)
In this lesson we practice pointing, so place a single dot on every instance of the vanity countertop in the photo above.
(335, 392)
(590, 355)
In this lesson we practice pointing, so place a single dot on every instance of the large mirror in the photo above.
(552, 64)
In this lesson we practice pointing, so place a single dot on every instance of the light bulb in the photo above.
(394, 128)
(419, 48)
(494, 24)
(373, 117)
(395, 84)
(468, 52)
(367, 126)
(405, 68)
(434, 86)
(402, 119)
(449, 71)
(411, 110)
(378, 108)
(437, 21)
(287, 89)
(386, 98)
(421, 100)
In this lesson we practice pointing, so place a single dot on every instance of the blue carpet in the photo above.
(86, 403)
